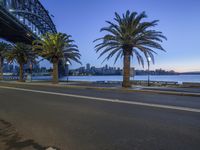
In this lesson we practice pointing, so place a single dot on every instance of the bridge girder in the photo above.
(29, 13)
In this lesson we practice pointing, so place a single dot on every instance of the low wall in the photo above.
(154, 83)
(190, 84)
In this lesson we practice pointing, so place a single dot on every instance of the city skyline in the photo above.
(182, 51)
(13, 67)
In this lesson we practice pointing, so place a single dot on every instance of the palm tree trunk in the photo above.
(21, 70)
(126, 76)
(1, 68)
(55, 72)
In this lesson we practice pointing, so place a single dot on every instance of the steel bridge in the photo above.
(24, 20)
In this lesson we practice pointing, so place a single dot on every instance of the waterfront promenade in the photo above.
(35, 116)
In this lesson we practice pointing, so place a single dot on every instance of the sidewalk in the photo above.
(170, 90)
(178, 89)
(90, 85)
(174, 89)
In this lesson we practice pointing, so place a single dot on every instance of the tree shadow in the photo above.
(12, 139)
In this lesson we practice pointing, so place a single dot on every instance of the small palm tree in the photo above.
(57, 47)
(4, 48)
(130, 36)
(21, 54)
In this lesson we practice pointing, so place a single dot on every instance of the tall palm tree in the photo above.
(130, 36)
(56, 47)
(4, 48)
(21, 54)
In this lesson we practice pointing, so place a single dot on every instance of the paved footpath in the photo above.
(37, 117)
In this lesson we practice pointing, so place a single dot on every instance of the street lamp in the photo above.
(67, 72)
(31, 70)
(148, 61)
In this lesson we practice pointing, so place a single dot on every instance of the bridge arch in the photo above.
(31, 14)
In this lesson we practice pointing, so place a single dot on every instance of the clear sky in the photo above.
(179, 21)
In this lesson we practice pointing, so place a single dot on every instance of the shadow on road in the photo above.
(12, 141)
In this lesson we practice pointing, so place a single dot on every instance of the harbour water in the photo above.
(176, 78)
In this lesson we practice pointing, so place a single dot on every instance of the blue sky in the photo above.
(179, 21)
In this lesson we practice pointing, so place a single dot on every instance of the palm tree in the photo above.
(4, 47)
(56, 47)
(21, 53)
(130, 36)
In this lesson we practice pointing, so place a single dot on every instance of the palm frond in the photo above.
(59, 46)
(129, 34)
(21, 53)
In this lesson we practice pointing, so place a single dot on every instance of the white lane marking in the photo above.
(108, 100)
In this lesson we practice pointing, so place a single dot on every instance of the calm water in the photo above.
(177, 78)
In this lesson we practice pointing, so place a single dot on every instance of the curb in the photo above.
(170, 93)
(109, 88)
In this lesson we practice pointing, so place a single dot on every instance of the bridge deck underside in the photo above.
(13, 31)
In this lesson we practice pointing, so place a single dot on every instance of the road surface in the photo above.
(37, 117)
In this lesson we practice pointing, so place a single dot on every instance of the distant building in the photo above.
(106, 67)
(87, 66)
(7, 68)
(132, 72)
(107, 70)
(43, 69)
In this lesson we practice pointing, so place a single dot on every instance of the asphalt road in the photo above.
(35, 117)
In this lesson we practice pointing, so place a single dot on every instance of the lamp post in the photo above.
(148, 61)
(67, 72)
(1, 71)
(31, 71)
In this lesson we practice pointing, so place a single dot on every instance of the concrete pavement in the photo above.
(75, 123)
(89, 85)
